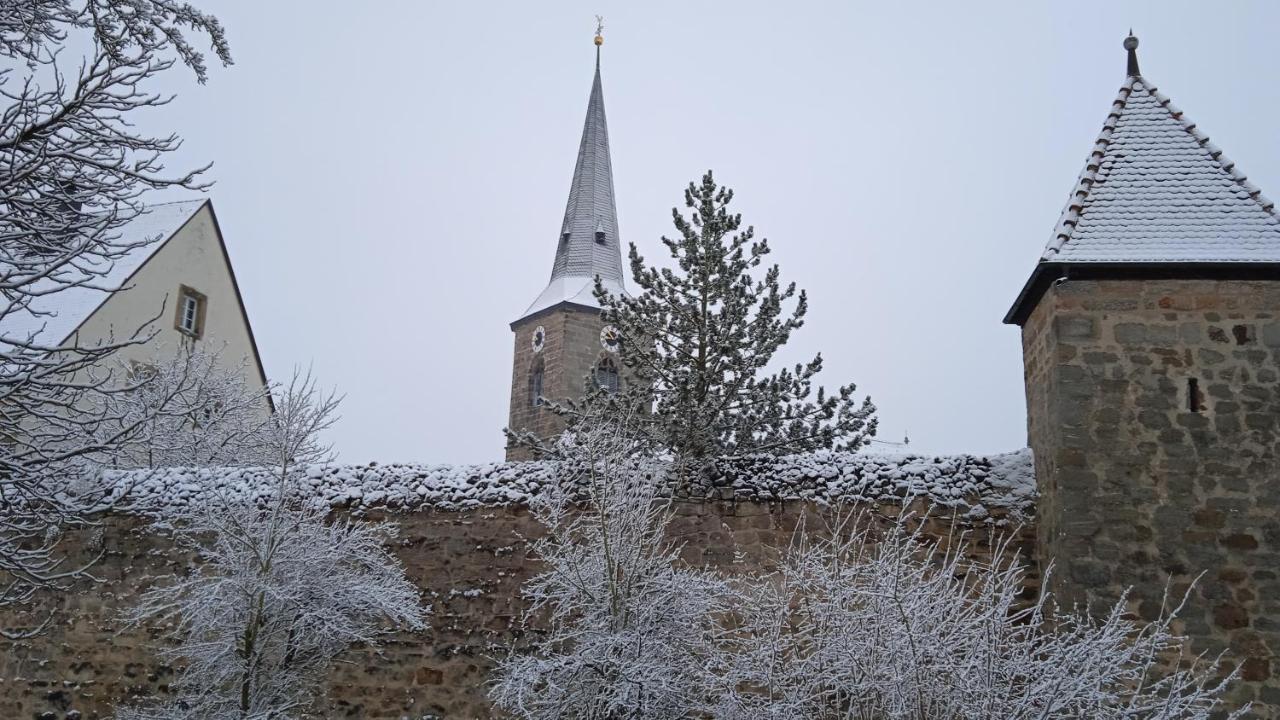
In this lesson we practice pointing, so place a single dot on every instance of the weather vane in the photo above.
(599, 30)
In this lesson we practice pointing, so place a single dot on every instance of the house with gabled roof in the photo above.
(174, 286)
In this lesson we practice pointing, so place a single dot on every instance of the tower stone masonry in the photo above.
(559, 339)
(1151, 344)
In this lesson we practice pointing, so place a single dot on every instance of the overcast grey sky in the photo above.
(391, 178)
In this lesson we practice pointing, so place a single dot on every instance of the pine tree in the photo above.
(699, 335)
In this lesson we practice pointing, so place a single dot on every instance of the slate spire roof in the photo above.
(588, 244)
(1155, 189)
(1156, 192)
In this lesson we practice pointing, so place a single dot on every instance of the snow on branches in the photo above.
(856, 621)
(192, 407)
(701, 333)
(281, 588)
(860, 624)
(626, 621)
(278, 595)
(74, 170)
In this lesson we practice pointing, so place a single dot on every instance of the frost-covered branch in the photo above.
(701, 334)
(194, 407)
(280, 590)
(856, 624)
(627, 625)
(74, 171)
(279, 593)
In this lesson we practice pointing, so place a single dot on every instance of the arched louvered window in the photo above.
(607, 375)
(535, 383)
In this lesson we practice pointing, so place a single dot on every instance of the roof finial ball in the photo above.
(599, 30)
(1131, 45)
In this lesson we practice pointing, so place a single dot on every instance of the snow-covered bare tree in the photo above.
(859, 621)
(73, 171)
(192, 407)
(279, 594)
(860, 625)
(281, 590)
(620, 629)
(301, 413)
(700, 335)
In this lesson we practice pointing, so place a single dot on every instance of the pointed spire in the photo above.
(588, 244)
(1131, 45)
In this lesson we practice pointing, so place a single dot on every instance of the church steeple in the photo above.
(562, 346)
(588, 244)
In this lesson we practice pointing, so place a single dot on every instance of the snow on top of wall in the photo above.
(973, 485)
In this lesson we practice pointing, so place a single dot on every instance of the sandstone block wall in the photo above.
(1154, 416)
(469, 563)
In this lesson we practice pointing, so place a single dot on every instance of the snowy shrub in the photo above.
(278, 594)
(628, 624)
(280, 589)
(855, 625)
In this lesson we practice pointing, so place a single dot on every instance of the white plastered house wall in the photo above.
(194, 257)
(174, 246)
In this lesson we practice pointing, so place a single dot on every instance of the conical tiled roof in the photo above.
(588, 245)
(1155, 193)
(1156, 190)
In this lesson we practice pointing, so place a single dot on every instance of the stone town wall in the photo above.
(1154, 414)
(470, 560)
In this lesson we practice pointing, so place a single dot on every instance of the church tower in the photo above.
(1151, 343)
(560, 339)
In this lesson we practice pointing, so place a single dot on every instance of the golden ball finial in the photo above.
(599, 31)
(599, 40)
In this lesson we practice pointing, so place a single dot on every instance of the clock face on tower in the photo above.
(539, 339)
(610, 338)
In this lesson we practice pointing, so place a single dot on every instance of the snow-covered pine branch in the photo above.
(73, 171)
(700, 334)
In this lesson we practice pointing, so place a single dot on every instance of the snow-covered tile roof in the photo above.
(52, 318)
(1155, 190)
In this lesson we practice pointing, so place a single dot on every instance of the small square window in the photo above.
(190, 316)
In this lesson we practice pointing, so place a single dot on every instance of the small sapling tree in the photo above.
(627, 623)
(281, 589)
